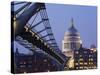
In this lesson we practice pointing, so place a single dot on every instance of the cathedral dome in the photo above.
(72, 39)
(72, 31)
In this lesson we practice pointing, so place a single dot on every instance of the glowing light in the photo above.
(45, 60)
(81, 67)
(26, 28)
(37, 37)
(76, 52)
(31, 32)
(76, 63)
(42, 41)
(81, 59)
(91, 59)
(93, 49)
(80, 41)
(45, 43)
(81, 63)
(14, 18)
(71, 63)
(14, 23)
(85, 63)
(48, 46)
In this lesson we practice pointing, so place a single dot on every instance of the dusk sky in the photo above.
(85, 21)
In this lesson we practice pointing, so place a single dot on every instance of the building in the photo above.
(85, 59)
(93, 48)
(70, 43)
(71, 40)
(79, 57)
(34, 62)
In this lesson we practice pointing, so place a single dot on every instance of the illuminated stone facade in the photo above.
(71, 41)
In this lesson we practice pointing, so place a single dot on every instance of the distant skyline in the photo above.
(85, 21)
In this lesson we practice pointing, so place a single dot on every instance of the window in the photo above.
(91, 59)
(76, 67)
(76, 63)
(89, 55)
(65, 45)
(85, 67)
(81, 67)
(90, 63)
(45, 60)
(81, 59)
(80, 55)
(73, 45)
(81, 63)
(76, 52)
(22, 66)
(85, 63)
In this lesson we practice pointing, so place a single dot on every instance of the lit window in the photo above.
(85, 67)
(76, 52)
(22, 66)
(81, 59)
(89, 55)
(91, 63)
(76, 67)
(81, 63)
(80, 55)
(76, 63)
(45, 60)
(91, 59)
(85, 63)
(81, 67)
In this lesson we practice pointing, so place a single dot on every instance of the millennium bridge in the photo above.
(30, 27)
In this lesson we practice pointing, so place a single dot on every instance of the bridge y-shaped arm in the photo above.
(22, 20)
